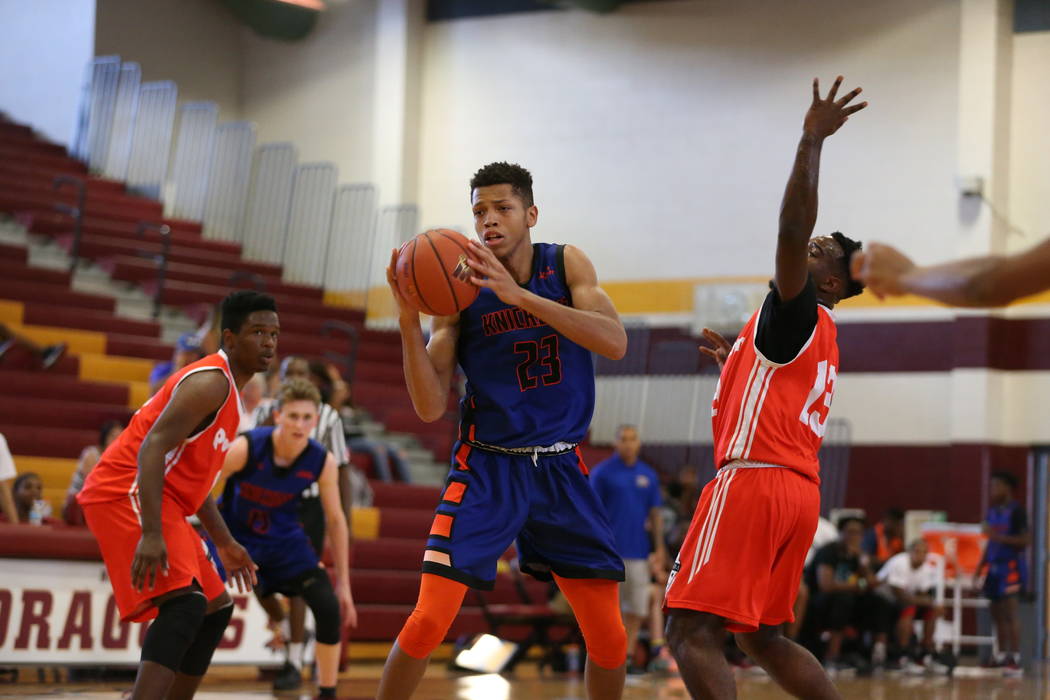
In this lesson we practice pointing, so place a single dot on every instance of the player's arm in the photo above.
(235, 559)
(338, 536)
(992, 280)
(429, 366)
(798, 210)
(591, 321)
(198, 397)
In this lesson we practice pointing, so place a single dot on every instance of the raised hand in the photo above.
(882, 269)
(825, 116)
(489, 272)
(720, 347)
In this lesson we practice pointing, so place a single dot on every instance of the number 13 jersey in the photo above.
(527, 384)
(776, 413)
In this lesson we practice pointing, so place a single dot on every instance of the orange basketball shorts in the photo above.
(117, 528)
(743, 555)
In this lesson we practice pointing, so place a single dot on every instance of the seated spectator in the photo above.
(7, 475)
(187, 350)
(30, 505)
(251, 398)
(842, 587)
(47, 355)
(910, 581)
(71, 512)
(886, 539)
(824, 534)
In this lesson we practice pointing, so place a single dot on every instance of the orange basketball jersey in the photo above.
(190, 470)
(774, 413)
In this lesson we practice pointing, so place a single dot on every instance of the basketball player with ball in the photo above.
(525, 344)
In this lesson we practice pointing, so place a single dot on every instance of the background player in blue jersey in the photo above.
(266, 471)
(1004, 567)
(525, 346)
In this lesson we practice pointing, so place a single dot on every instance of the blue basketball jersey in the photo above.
(527, 384)
(261, 501)
(1009, 519)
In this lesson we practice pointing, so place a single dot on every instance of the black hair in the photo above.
(106, 427)
(25, 476)
(238, 305)
(894, 514)
(847, 519)
(849, 247)
(1007, 478)
(504, 173)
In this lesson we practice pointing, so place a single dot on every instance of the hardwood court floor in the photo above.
(360, 683)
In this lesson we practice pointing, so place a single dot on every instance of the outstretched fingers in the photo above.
(848, 97)
(834, 89)
(854, 108)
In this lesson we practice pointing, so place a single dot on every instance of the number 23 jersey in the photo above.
(776, 413)
(527, 384)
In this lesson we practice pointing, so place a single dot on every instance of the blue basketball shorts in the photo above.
(283, 562)
(492, 499)
(1005, 578)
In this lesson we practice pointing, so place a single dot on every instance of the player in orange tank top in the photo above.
(161, 470)
(741, 563)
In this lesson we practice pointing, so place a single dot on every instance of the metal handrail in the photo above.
(257, 280)
(349, 359)
(76, 212)
(162, 260)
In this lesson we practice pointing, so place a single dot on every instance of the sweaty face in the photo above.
(827, 261)
(628, 445)
(296, 419)
(255, 344)
(501, 219)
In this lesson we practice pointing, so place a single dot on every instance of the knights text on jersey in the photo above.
(776, 413)
(527, 384)
(191, 469)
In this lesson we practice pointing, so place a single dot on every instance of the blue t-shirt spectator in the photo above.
(628, 493)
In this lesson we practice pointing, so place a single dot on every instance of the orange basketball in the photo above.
(433, 275)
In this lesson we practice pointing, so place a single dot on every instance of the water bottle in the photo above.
(40, 510)
(572, 658)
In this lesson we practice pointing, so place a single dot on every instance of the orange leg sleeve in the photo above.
(596, 604)
(439, 602)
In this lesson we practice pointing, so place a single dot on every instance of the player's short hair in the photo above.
(504, 173)
(847, 519)
(298, 390)
(626, 426)
(894, 514)
(1005, 477)
(849, 247)
(237, 306)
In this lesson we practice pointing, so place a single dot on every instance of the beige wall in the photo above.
(1030, 139)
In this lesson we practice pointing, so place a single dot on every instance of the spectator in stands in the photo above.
(7, 475)
(251, 399)
(910, 581)
(630, 491)
(842, 584)
(48, 355)
(886, 539)
(187, 350)
(71, 512)
(30, 505)
(1004, 567)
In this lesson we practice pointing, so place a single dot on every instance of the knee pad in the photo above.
(174, 629)
(596, 604)
(320, 598)
(198, 656)
(439, 602)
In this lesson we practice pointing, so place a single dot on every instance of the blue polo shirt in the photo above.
(628, 494)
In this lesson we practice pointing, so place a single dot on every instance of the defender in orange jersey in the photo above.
(740, 565)
(161, 470)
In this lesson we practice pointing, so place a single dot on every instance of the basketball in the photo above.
(433, 275)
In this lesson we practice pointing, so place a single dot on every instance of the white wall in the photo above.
(196, 43)
(660, 136)
(318, 92)
(45, 46)
(1030, 139)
